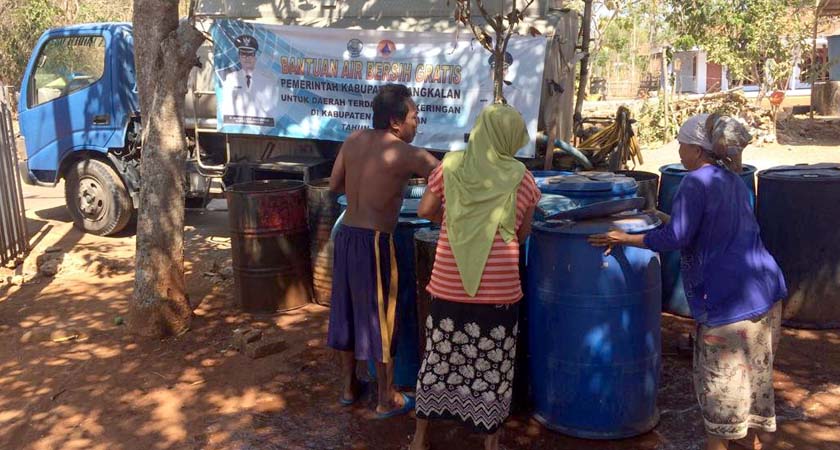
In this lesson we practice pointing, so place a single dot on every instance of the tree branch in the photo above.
(465, 16)
(497, 27)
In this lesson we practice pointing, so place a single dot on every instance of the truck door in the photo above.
(66, 100)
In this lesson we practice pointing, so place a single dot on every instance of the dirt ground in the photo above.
(71, 377)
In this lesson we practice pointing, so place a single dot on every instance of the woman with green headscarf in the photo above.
(485, 200)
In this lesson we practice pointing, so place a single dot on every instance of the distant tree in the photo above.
(626, 31)
(757, 40)
(164, 54)
(501, 23)
(22, 24)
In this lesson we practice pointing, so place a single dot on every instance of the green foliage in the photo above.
(626, 33)
(19, 31)
(756, 39)
(651, 124)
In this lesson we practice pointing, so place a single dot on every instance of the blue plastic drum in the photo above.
(594, 330)
(673, 293)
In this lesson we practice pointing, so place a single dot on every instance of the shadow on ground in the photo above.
(71, 377)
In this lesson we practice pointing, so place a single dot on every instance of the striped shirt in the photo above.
(500, 282)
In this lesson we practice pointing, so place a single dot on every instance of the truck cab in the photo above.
(78, 112)
(80, 117)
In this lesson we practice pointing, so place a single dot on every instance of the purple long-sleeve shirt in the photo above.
(728, 275)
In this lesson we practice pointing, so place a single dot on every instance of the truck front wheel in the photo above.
(97, 198)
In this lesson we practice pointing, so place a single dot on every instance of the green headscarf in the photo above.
(480, 187)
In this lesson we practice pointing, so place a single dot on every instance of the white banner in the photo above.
(317, 83)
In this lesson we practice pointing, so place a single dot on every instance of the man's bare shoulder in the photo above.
(356, 136)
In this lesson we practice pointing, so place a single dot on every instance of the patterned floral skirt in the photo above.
(467, 371)
(733, 375)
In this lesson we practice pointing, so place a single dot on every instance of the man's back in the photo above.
(377, 167)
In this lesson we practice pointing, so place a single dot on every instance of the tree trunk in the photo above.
(164, 55)
(499, 70)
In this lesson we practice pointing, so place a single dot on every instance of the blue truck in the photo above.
(79, 114)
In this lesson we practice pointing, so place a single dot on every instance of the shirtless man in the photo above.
(372, 168)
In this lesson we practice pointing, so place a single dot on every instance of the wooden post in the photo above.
(666, 90)
(549, 148)
(586, 31)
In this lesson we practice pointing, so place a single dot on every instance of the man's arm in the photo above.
(338, 173)
(421, 162)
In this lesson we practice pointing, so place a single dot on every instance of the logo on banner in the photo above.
(354, 46)
(386, 48)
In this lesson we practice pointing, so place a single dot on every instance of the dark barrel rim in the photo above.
(804, 173)
(639, 175)
(266, 186)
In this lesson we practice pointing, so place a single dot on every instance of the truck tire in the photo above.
(97, 198)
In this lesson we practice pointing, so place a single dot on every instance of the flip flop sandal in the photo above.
(408, 405)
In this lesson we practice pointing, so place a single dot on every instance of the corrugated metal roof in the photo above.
(830, 8)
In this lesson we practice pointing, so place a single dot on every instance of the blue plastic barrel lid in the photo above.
(585, 182)
(623, 184)
(574, 183)
(549, 173)
(630, 222)
(409, 205)
(552, 204)
(803, 172)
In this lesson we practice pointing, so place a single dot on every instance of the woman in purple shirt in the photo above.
(732, 283)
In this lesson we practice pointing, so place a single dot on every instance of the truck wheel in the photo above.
(97, 198)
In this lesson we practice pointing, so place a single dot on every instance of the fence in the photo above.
(14, 242)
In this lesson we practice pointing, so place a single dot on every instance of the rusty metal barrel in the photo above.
(323, 212)
(648, 186)
(270, 244)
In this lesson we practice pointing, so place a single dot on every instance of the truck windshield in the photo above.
(66, 65)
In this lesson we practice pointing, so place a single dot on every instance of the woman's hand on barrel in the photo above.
(608, 239)
(616, 237)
